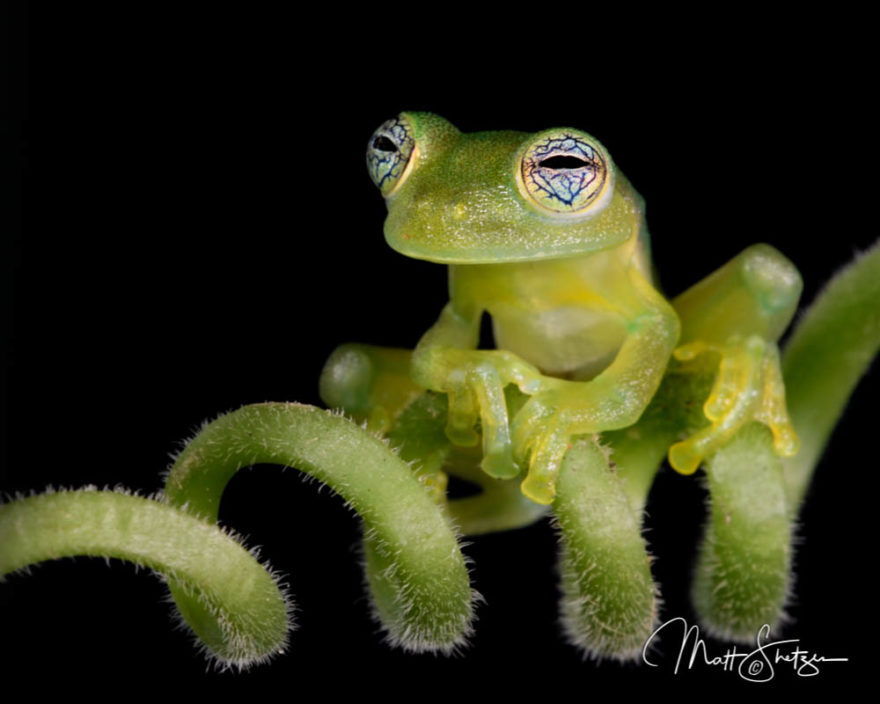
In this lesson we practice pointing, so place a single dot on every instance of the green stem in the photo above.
(250, 613)
(742, 576)
(421, 589)
(830, 350)
(609, 605)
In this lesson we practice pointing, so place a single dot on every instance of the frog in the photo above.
(543, 233)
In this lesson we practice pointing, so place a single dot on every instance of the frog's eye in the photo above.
(389, 153)
(564, 172)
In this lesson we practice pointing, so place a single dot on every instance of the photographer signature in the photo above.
(753, 666)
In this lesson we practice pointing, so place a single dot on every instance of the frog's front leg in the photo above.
(737, 314)
(446, 360)
(616, 398)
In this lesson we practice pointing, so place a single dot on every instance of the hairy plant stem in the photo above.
(743, 570)
(831, 348)
(609, 603)
(425, 601)
(249, 612)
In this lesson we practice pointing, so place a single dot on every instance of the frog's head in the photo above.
(491, 197)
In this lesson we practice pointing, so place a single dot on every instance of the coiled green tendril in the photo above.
(414, 567)
(235, 606)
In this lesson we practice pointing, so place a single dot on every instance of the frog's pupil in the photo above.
(383, 144)
(561, 161)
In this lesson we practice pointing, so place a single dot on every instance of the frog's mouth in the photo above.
(495, 254)
(457, 234)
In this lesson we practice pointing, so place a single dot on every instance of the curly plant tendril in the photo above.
(249, 611)
(422, 592)
(413, 564)
(831, 348)
(743, 572)
(232, 603)
(609, 602)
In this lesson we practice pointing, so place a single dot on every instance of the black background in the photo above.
(200, 233)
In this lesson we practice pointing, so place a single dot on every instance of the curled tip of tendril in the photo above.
(743, 574)
(237, 607)
(241, 613)
(405, 606)
(609, 601)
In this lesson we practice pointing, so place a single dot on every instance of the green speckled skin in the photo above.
(462, 203)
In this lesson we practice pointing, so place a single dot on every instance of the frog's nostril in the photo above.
(562, 161)
(383, 144)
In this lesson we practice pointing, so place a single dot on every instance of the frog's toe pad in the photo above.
(684, 457)
(541, 492)
(500, 464)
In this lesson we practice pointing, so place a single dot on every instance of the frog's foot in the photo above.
(477, 394)
(547, 452)
(748, 387)
(544, 428)
(474, 385)
(542, 433)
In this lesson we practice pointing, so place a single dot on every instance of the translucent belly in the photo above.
(570, 342)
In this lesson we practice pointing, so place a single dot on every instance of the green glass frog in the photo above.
(543, 233)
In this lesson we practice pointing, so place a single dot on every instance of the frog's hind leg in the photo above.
(609, 603)
(737, 314)
(371, 384)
